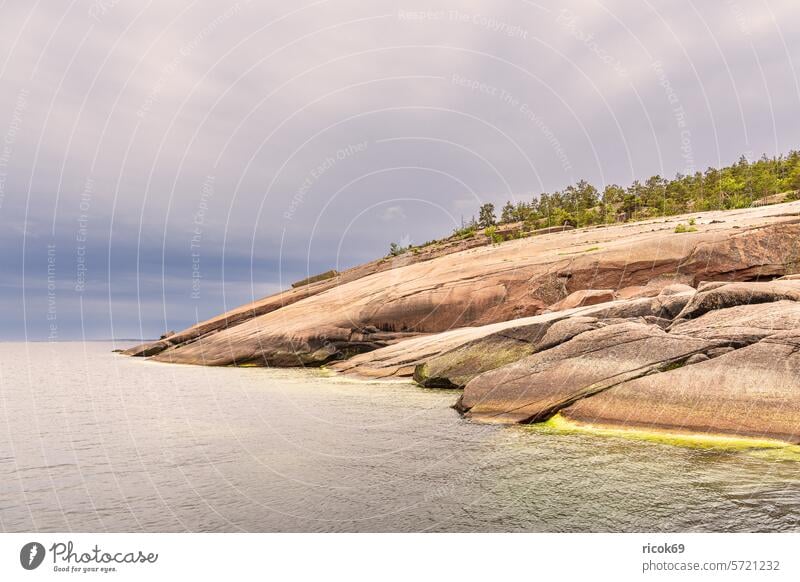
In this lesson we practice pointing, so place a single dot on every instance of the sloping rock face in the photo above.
(689, 338)
(436, 359)
(298, 292)
(536, 387)
(753, 391)
(454, 368)
(733, 368)
(584, 297)
(714, 297)
(379, 305)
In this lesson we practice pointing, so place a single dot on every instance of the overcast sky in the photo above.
(164, 161)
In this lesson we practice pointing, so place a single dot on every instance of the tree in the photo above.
(486, 217)
(580, 204)
(586, 195)
(613, 195)
(396, 250)
(793, 179)
(509, 213)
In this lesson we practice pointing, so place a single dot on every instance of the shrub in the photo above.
(493, 235)
(395, 250)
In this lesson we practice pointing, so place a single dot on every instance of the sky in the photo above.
(162, 162)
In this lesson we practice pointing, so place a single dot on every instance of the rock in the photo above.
(742, 324)
(696, 359)
(753, 391)
(491, 345)
(147, 350)
(636, 291)
(517, 325)
(734, 294)
(670, 302)
(565, 329)
(709, 285)
(451, 359)
(671, 285)
(714, 352)
(584, 297)
(456, 367)
(535, 388)
(661, 322)
(478, 286)
(677, 289)
(733, 370)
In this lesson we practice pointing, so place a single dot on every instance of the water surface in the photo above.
(94, 441)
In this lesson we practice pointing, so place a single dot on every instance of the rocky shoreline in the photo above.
(639, 325)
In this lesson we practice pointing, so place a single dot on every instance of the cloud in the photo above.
(310, 135)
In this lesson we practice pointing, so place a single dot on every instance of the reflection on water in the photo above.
(93, 441)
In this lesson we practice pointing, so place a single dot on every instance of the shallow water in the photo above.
(94, 441)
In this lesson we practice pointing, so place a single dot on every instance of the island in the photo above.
(686, 323)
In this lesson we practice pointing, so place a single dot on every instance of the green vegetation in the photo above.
(582, 204)
(486, 217)
(395, 250)
(467, 231)
(494, 236)
(743, 184)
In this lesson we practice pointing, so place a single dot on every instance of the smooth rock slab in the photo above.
(753, 391)
(487, 285)
(536, 387)
(744, 324)
(712, 297)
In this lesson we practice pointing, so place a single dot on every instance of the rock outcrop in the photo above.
(732, 369)
(631, 325)
(535, 388)
(753, 391)
(378, 305)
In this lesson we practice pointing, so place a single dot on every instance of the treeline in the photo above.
(582, 204)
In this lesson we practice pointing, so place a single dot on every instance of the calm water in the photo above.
(93, 441)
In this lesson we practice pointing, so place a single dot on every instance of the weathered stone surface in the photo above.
(671, 301)
(733, 294)
(401, 358)
(401, 298)
(564, 330)
(753, 391)
(660, 285)
(732, 370)
(538, 386)
(696, 359)
(636, 291)
(494, 319)
(676, 289)
(458, 366)
(708, 285)
(743, 324)
(584, 297)
(146, 350)
(450, 359)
